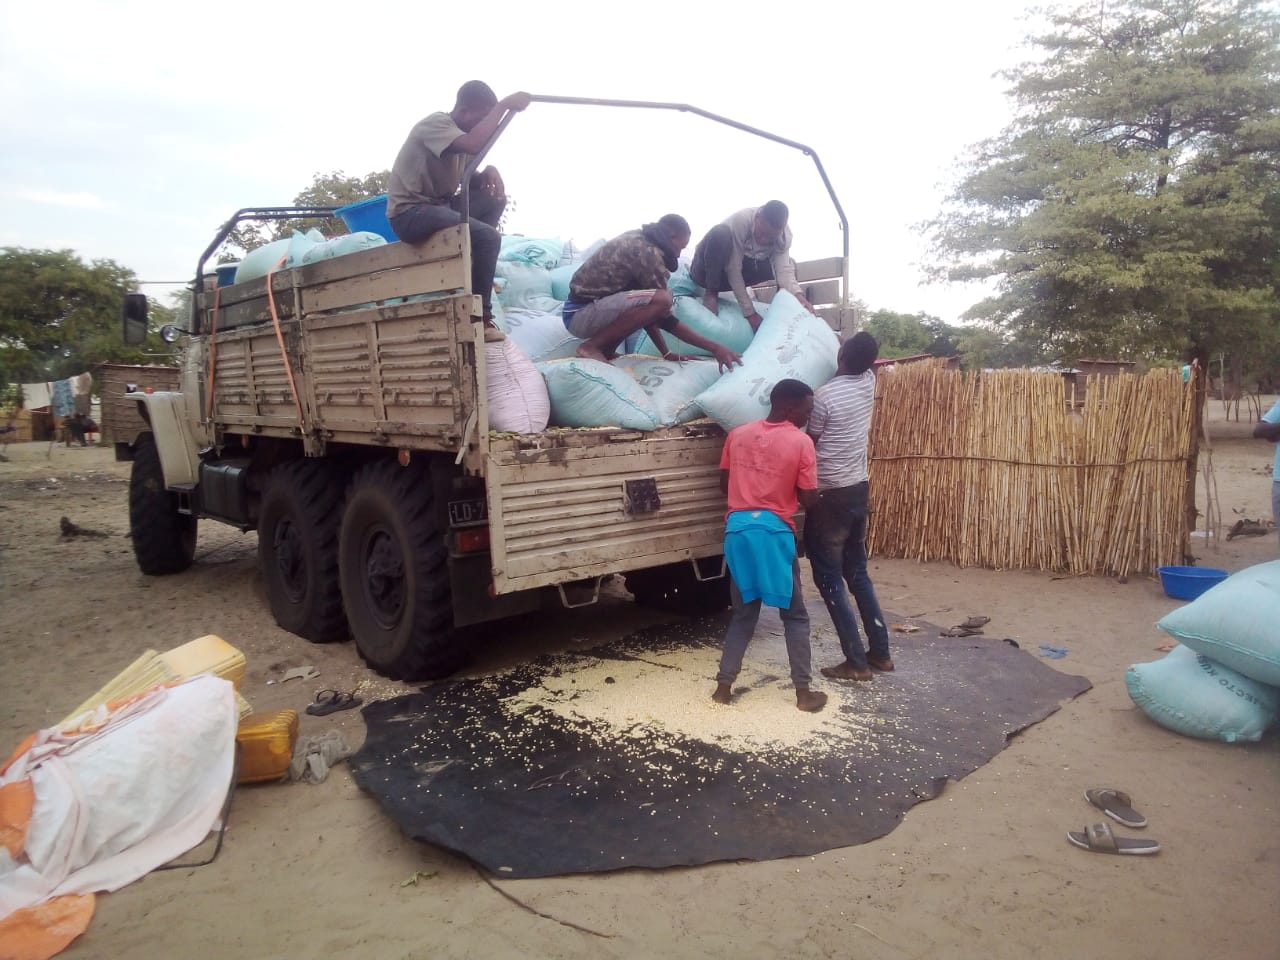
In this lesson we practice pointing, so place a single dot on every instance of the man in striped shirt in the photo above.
(835, 527)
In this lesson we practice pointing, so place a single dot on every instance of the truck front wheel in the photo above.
(395, 576)
(164, 540)
(298, 549)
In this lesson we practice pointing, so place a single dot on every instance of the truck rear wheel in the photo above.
(298, 549)
(164, 540)
(674, 588)
(395, 577)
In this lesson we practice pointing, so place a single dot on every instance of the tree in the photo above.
(907, 334)
(1132, 209)
(60, 316)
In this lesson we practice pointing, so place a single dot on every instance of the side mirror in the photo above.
(135, 319)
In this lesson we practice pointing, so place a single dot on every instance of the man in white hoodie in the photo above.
(752, 246)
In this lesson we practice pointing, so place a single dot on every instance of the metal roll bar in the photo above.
(256, 213)
(474, 165)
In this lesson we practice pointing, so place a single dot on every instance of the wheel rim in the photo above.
(384, 579)
(286, 543)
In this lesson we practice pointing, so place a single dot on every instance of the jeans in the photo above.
(795, 627)
(835, 540)
(711, 258)
(419, 223)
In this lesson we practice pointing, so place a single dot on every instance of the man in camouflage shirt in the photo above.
(623, 287)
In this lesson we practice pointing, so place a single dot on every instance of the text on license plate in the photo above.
(468, 511)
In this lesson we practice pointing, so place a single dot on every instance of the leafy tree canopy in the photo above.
(60, 316)
(1132, 209)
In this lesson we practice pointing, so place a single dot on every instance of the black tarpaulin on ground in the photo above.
(533, 791)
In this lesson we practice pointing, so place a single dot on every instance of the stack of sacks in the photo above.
(313, 246)
(588, 393)
(524, 267)
(539, 335)
(526, 286)
(638, 393)
(671, 387)
(544, 253)
(301, 248)
(791, 344)
(1223, 682)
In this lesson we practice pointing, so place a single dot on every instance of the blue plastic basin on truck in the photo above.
(370, 215)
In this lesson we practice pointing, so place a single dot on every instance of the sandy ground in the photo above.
(983, 871)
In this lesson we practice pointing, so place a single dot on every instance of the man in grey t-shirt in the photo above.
(835, 528)
(422, 194)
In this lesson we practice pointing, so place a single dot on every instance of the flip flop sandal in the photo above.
(1116, 805)
(1100, 839)
(974, 623)
(960, 630)
(335, 701)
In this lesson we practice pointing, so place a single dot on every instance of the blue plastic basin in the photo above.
(370, 215)
(1187, 583)
(227, 273)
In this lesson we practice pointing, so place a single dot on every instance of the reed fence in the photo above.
(1010, 469)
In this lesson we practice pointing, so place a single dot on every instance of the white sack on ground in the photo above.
(517, 394)
(791, 344)
(588, 393)
(671, 386)
(113, 805)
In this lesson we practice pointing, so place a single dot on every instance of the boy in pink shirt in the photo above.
(768, 470)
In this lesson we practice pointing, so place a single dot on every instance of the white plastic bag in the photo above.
(517, 394)
(791, 344)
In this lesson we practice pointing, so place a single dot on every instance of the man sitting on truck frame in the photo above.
(422, 194)
(623, 287)
(752, 246)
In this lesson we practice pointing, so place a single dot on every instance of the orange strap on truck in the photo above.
(213, 351)
(284, 354)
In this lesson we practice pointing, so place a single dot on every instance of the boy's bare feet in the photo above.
(723, 694)
(588, 352)
(885, 665)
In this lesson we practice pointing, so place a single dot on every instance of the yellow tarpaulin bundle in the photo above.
(207, 654)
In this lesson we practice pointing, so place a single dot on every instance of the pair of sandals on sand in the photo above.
(1099, 838)
(970, 628)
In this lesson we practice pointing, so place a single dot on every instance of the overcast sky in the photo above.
(131, 130)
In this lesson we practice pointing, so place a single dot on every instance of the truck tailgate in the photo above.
(569, 505)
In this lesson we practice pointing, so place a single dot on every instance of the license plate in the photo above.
(462, 512)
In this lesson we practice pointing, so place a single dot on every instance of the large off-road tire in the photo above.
(675, 588)
(395, 576)
(298, 549)
(164, 540)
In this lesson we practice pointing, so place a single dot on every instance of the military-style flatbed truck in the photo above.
(339, 408)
